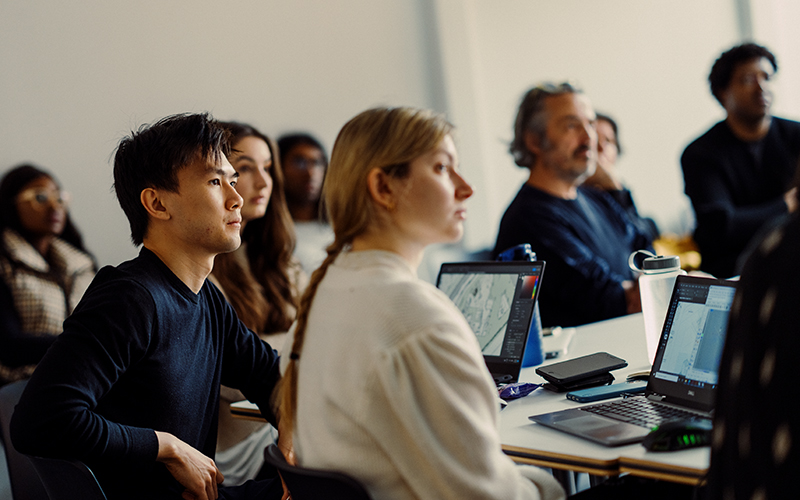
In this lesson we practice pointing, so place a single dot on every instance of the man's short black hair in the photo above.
(152, 156)
(725, 65)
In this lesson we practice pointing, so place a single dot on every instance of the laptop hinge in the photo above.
(655, 397)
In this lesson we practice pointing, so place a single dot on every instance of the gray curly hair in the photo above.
(531, 118)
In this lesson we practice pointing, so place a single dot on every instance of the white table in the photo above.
(527, 442)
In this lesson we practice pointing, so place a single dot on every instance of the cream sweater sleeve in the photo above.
(443, 439)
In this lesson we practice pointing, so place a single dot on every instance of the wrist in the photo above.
(167, 448)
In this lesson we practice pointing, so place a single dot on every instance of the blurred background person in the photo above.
(44, 268)
(582, 233)
(304, 164)
(606, 176)
(260, 279)
(738, 174)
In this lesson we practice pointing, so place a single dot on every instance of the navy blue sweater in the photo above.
(141, 353)
(585, 242)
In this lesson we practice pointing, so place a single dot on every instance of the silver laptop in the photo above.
(497, 299)
(684, 376)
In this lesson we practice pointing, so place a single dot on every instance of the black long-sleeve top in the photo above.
(737, 186)
(141, 353)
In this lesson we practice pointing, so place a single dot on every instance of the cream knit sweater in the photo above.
(393, 390)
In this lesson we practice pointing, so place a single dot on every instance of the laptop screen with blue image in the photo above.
(497, 299)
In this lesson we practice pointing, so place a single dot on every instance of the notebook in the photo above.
(497, 299)
(683, 380)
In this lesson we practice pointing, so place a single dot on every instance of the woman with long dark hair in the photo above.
(260, 279)
(44, 268)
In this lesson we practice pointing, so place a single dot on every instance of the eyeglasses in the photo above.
(42, 198)
(306, 163)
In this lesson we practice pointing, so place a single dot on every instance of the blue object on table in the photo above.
(533, 354)
(517, 390)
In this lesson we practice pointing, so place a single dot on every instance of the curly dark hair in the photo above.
(725, 65)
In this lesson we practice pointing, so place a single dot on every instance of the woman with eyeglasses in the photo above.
(304, 165)
(44, 268)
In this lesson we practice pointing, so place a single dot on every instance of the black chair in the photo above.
(68, 479)
(25, 483)
(313, 484)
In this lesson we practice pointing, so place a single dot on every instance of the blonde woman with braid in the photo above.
(384, 379)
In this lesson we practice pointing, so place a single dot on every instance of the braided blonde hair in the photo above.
(385, 138)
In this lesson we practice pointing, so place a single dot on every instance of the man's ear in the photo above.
(380, 189)
(723, 97)
(151, 200)
(532, 142)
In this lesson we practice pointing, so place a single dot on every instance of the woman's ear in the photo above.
(381, 189)
(151, 201)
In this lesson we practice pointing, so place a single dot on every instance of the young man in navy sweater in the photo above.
(131, 387)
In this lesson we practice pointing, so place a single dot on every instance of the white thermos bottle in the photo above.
(655, 289)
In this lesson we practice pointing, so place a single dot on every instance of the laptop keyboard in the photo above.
(640, 411)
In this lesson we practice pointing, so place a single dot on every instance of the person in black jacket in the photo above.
(131, 387)
(738, 174)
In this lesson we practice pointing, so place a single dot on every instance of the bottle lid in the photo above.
(661, 263)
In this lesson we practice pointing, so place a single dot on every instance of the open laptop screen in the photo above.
(497, 299)
(685, 369)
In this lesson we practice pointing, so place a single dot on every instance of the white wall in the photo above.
(775, 25)
(645, 63)
(77, 76)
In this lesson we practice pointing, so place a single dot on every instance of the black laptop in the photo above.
(497, 299)
(684, 376)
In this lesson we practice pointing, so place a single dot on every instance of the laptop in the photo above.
(683, 380)
(497, 299)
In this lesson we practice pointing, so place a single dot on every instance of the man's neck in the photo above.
(749, 130)
(544, 180)
(191, 268)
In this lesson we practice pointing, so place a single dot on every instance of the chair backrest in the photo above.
(68, 479)
(313, 484)
(25, 483)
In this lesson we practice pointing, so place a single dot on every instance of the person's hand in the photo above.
(790, 198)
(193, 470)
(603, 179)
